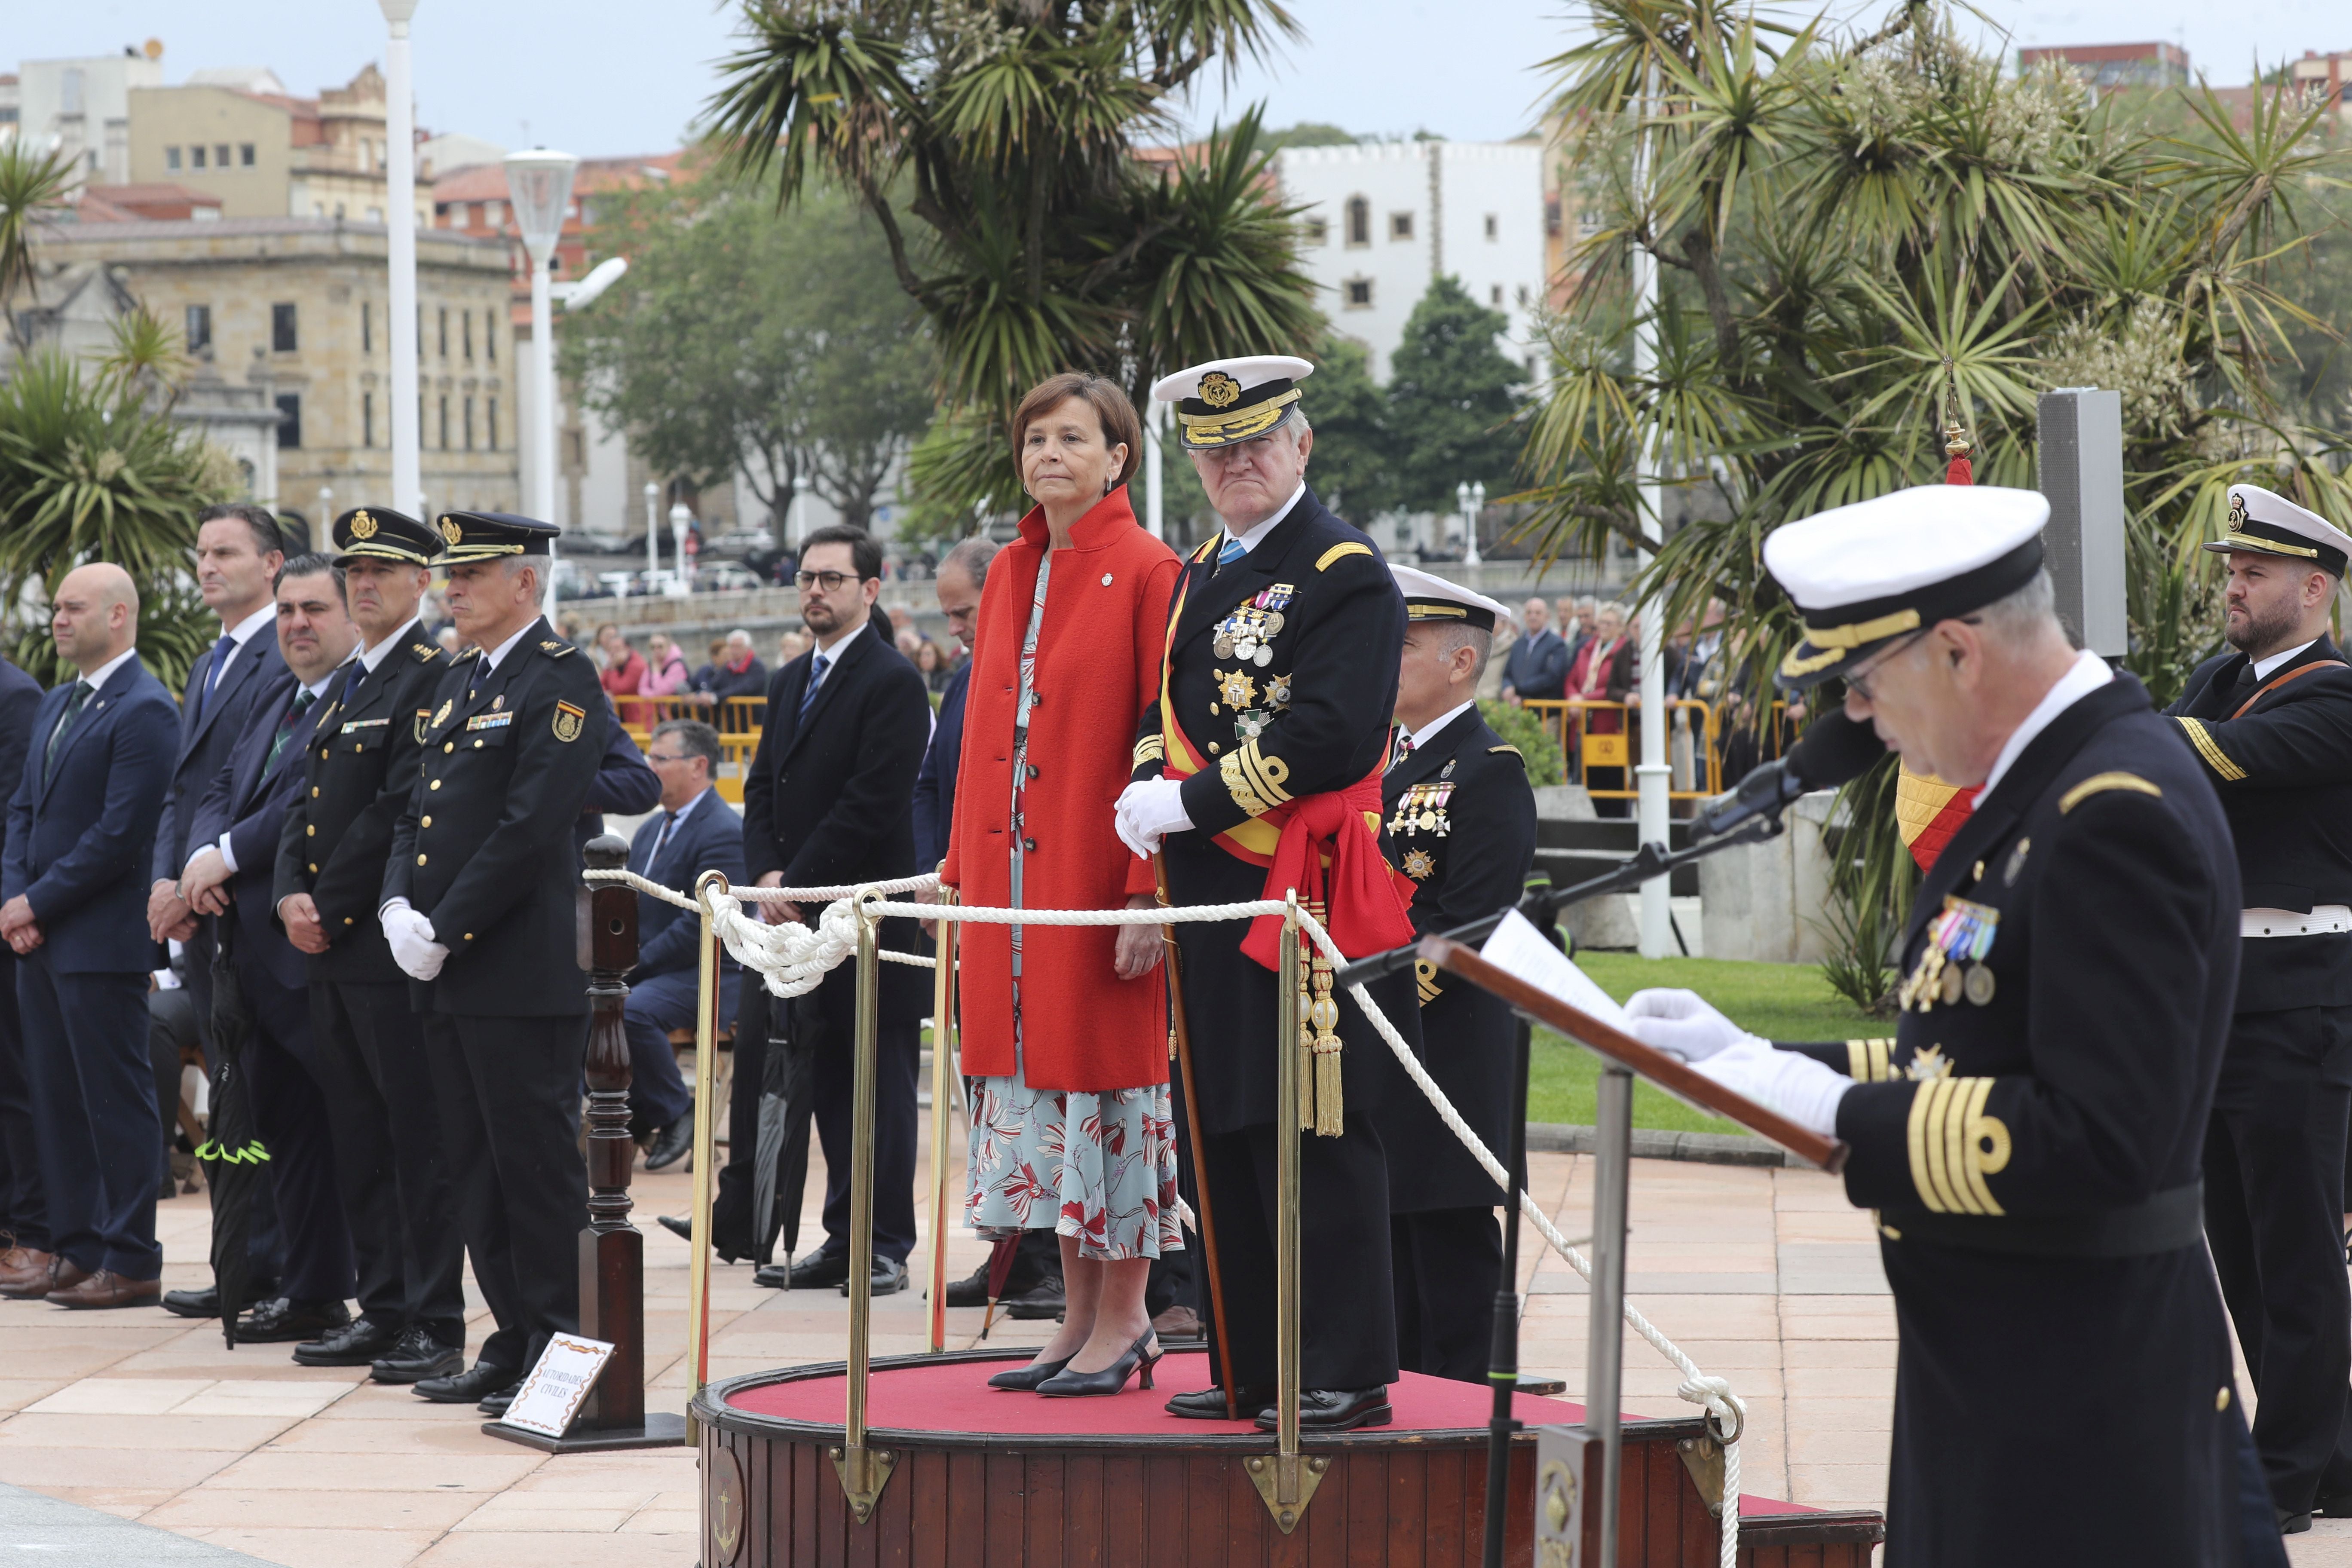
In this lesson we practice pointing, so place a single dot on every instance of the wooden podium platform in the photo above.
(981, 1479)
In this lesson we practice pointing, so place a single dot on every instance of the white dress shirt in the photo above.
(1248, 541)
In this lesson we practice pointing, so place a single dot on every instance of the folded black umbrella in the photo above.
(787, 1111)
(233, 1155)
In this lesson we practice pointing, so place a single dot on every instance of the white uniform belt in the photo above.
(2322, 920)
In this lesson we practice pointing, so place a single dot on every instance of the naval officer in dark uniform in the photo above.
(1263, 757)
(361, 768)
(479, 910)
(2030, 1142)
(2271, 723)
(1460, 821)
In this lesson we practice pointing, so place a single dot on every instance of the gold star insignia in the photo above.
(1236, 688)
(1930, 1063)
(1419, 864)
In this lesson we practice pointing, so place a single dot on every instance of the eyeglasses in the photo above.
(1858, 683)
(667, 756)
(830, 580)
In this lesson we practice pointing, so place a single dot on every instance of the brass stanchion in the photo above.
(864, 1471)
(1286, 1479)
(706, 1082)
(943, 1037)
(1181, 1040)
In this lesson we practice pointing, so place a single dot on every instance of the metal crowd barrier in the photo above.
(1694, 747)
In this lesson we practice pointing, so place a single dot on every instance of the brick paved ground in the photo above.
(1765, 1276)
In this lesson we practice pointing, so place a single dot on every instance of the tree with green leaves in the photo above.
(92, 469)
(1452, 397)
(1862, 239)
(999, 146)
(745, 340)
(32, 186)
(1353, 469)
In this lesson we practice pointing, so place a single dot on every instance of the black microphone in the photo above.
(1833, 750)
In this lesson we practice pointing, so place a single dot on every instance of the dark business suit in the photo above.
(81, 841)
(935, 786)
(664, 985)
(624, 784)
(248, 802)
(359, 768)
(21, 1213)
(1536, 667)
(829, 802)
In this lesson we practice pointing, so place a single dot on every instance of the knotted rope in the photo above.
(792, 958)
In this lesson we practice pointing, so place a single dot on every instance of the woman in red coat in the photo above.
(1067, 1027)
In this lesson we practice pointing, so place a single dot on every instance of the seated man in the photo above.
(695, 832)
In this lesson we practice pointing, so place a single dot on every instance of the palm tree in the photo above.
(1865, 242)
(1007, 130)
(31, 184)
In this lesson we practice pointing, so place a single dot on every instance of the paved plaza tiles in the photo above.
(1764, 1276)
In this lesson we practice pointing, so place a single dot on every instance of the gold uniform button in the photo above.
(428, 822)
(347, 919)
(2222, 1399)
(469, 936)
(435, 785)
(314, 867)
(314, 791)
(478, 745)
(448, 745)
(311, 831)
(420, 860)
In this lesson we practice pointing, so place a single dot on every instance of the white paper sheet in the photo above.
(1517, 946)
(558, 1385)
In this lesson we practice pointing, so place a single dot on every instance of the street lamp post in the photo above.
(1471, 499)
(400, 228)
(652, 535)
(538, 186)
(681, 519)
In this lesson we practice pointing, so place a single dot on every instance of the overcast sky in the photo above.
(610, 76)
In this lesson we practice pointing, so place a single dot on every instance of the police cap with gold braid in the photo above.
(1428, 597)
(380, 533)
(2267, 524)
(1865, 574)
(1225, 401)
(492, 536)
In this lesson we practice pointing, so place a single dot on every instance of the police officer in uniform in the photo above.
(362, 768)
(1261, 759)
(2030, 1140)
(2270, 725)
(479, 910)
(1460, 823)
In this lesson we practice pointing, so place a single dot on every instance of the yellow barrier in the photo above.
(1699, 771)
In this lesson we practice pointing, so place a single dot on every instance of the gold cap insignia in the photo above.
(451, 531)
(362, 526)
(1218, 390)
(2237, 512)
(568, 722)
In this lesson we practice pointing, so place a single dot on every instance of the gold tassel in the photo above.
(1305, 1057)
(1331, 1109)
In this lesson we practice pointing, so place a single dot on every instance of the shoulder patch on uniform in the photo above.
(423, 652)
(1493, 750)
(463, 654)
(2099, 784)
(568, 722)
(555, 649)
(1341, 553)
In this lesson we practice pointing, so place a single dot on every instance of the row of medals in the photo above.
(1248, 632)
(1422, 809)
(1953, 966)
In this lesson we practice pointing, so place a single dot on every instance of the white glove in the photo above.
(411, 937)
(1681, 1023)
(1149, 810)
(1790, 1082)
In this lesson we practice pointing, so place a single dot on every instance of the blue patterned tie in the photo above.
(817, 678)
(1232, 552)
(221, 651)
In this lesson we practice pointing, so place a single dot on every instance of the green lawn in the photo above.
(1778, 1001)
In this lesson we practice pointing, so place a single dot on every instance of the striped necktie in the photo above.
(81, 691)
(1232, 552)
(817, 667)
(288, 725)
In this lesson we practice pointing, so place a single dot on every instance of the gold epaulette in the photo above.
(423, 652)
(2099, 784)
(555, 649)
(1150, 749)
(1341, 553)
(1866, 1060)
(1955, 1145)
(2211, 749)
(1493, 750)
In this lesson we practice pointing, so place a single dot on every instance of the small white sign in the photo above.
(552, 1396)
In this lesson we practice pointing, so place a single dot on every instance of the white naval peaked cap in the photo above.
(1222, 401)
(1428, 597)
(2268, 523)
(1863, 575)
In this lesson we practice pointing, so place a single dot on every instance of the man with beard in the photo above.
(2272, 725)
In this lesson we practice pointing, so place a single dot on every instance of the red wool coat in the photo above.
(1098, 668)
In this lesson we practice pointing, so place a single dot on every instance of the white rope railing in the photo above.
(792, 958)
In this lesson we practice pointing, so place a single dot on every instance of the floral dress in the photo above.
(1100, 1166)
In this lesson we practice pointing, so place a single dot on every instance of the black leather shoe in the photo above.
(203, 1303)
(681, 1228)
(813, 1272)
(971, 1291)
(1208, 1404)
(890, 1277)
(670, 1145)
(1112, 1379)
(496, 1404)
(1336, 1410)
(2292, 1523)
(417, 1355)
(471, 1387)
(2333, 1505)
(1025, 1379)
(1045, 1303)
(358, 1344)
(283, 1317)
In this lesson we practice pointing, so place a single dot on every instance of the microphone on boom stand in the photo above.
(1834, 751)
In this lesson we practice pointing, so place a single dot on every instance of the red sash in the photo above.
(1325, 846)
